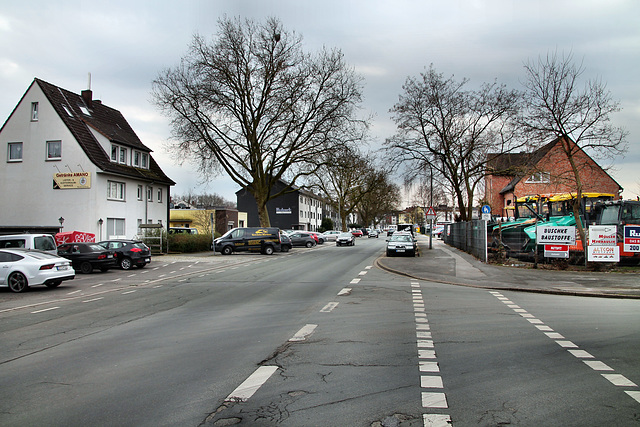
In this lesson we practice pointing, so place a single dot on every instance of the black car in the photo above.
(300, 238)
(128, 252)
(285, 243)
(85, 257)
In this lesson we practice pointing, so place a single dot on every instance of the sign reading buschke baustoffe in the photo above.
(603, 244)
(548, 234)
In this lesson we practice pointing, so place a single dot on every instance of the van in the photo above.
(265, 240)
(41, 242)
(392, 229)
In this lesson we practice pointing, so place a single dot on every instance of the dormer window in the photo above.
(119, 154)
(140, 159)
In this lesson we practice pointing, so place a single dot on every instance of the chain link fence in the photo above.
(470, 236)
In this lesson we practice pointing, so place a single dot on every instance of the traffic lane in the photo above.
(357, 367)
(499, 367)
(156, 353)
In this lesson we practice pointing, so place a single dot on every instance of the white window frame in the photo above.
(539, 178)
(34, 111)
(122, 156)
(14, 159)
(116, 190)
(48, 155)
(136, 158)
(150, 194)
(145, 161)
(159, 195)
(140, 192)
(116, 228)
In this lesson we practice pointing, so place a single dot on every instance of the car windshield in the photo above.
(347, 235)
(401, 238)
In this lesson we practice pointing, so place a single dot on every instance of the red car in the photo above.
(357, 233)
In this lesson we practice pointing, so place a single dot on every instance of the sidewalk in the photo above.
(445, 264)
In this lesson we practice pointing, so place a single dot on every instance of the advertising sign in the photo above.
(604, 253)
(74, 236)
(71, 180)
(556, 251)
(603, 235)
(548, 234)
(631, 238)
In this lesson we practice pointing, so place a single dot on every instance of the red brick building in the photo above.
(544, 171)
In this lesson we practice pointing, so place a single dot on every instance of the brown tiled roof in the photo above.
(108, 122)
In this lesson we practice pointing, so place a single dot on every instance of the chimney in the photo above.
(87, 95)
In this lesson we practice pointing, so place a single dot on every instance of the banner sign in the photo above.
(632, 238)
(283, 211)
(565, 235)
(556, 251)
(70, 180)
(604, 253)
(603, 235)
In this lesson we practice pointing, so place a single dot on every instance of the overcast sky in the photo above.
(125, 44)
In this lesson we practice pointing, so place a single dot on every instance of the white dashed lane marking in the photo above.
(245, 390)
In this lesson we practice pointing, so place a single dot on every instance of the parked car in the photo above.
(346, 239)
(301, 238)
(41, 242)
(373, 233)
(331, 235)
(265, 240)
(357, 233)
(285, 243)
(87, 256)
(21, 268)
(438, 230)
(401, 243)
(316, 236)
(128, 252)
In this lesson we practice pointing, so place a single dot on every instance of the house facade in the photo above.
(72, 163)
(542, 172)
(298, 209)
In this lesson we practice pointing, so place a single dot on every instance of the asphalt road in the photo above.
(315, 337)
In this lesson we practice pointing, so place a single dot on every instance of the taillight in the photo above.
(102, 256)
(136, 250)
(47, 267)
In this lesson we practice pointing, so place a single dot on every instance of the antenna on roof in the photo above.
(89, 82)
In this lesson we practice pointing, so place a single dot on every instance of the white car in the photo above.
(331, 235)
(21, 268)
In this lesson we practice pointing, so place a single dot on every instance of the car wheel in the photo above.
(309, 244)
(268, 250)
(54, 284)
(17, 282)
(126, 264)
(227, 250)
(86, 268)
(285, 249)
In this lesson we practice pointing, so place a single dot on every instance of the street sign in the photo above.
(486, 209)
(430, 213)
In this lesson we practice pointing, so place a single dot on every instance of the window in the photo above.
(539, 178)
(145, 161)
(140, 192)
(115, 190)
(136, 159)
(159, 195)
(119, 154)
(150, 194)
(14, 152)
(34, 111)
(115, 228)
(123, 156)
(54, 150)
(114, 153)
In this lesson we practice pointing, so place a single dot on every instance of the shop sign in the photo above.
(548, 234)
(603, 235)
(283, 211)
(604, 254)
(71, 180)
(631, 238)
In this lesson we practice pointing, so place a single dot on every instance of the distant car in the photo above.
(346, 239)
(87, 256)
(128, 252)
(21, 268)
(319, 238)
(438, 230)
(373, 233)
(331, 235)
(302, 239)
(357, 233)
(401, 243)
(285, 243)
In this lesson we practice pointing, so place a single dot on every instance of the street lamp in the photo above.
(100, 222)
(61, 221)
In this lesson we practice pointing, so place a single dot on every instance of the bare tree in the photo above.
(253, 105)
(555, 106)
(449, 129)
(204, 200)
(381, 198)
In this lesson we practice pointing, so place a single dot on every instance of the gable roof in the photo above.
(80, 113)
(516, 164)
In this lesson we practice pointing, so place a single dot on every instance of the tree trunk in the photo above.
(263, 213)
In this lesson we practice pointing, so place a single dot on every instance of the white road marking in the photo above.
(423, 334)
(44, 309)
(74, 292)
(368, 267)
(128, 292)
(434, 400)
(423, 327)
(554, 335)
(535, 321)
(131, 275)
(425, 343)
(566, 344)
(581, 354)
(344, 291)
(362, 273)
(426, 354)
(354, 281)
(329, 307)
(634, 394)
(596, 365)
(303, 333)
(94, 299)
(431, 381)
(544, 327)
(436, 420)
(245, 390)
(426, 366)
(98, 285)
(619, 380)
(520, 310)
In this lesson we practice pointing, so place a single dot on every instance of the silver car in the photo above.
(330, 235)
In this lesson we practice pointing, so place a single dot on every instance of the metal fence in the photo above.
(470, 236)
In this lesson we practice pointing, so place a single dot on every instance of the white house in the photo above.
(72, 162)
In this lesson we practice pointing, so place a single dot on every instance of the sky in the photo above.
(126, 44)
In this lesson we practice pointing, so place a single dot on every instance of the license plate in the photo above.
(62, 267)
(147, 260)
(399, 250)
